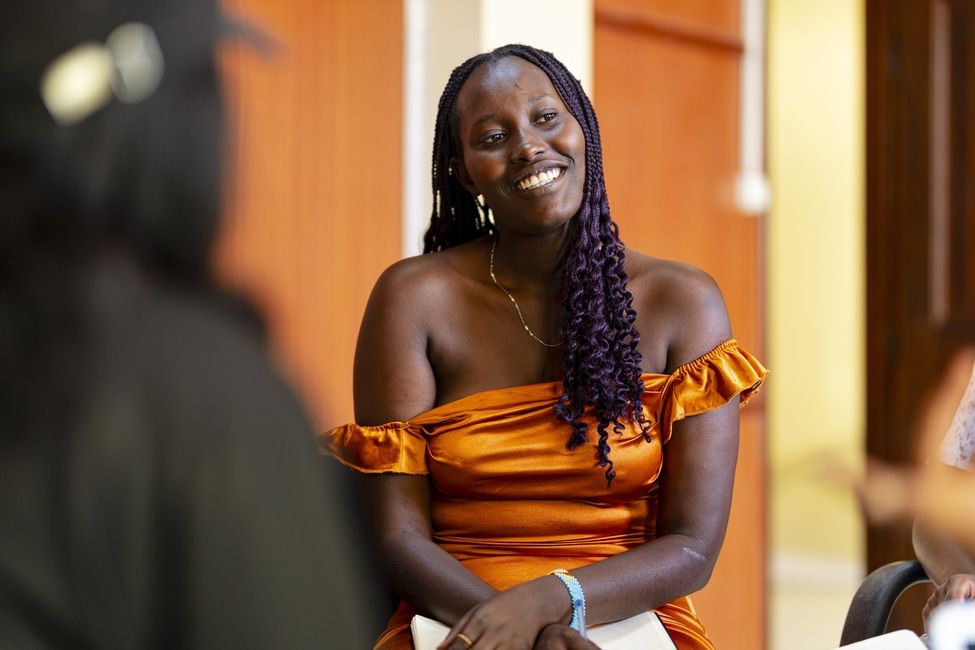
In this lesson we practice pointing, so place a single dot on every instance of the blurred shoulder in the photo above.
(192, 354)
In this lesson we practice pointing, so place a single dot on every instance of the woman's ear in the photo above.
(459, 171)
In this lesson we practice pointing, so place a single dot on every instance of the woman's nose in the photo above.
(527, 146)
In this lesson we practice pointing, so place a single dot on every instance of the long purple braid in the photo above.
(601, 364)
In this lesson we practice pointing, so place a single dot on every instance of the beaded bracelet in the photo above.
(578, 598)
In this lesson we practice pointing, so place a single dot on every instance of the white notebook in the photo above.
(899, 640)
(641, 632)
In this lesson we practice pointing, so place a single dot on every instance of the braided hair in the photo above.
(601, 364)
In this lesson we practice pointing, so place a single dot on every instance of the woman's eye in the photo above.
(547, 117)
(493, 138)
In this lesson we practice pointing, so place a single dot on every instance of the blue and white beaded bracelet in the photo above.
(578, 599)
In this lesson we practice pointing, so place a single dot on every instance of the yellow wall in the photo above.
(816, 270)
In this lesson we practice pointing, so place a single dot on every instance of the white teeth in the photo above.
(540, 179)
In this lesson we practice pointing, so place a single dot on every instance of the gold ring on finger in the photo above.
(466, 639)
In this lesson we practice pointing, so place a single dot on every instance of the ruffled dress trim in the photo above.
(696, 387)
(706, 384)
(396, 447)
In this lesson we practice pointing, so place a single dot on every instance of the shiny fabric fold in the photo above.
(705, 384)
(397, 447)
(511, 502)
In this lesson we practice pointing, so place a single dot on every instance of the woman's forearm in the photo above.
(423, 574)
(430, 579)
(648, 576)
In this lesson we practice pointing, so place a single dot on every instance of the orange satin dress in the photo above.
(512, 503)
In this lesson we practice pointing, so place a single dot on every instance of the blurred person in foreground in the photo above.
(939, 493)
(159, 482)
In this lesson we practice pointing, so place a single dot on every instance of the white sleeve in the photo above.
(958, 448)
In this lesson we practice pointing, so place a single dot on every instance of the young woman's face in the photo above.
(522, 148)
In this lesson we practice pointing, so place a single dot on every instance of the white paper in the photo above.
(899, 640)
(641, 632)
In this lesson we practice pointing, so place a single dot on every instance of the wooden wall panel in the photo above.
(715, 17)
(667, 95)
(314, 198)
(671, 155)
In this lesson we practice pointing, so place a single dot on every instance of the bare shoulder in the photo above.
(405, 282)
(673, 288)
(678, 305)
(415, 284)
(393, 378)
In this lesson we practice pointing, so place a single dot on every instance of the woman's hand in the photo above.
(513, 619)
(960, 586)
(559, 636)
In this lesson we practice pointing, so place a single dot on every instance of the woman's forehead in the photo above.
(501, 79)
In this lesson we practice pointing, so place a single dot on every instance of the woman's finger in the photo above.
(960, 587)
(459, 636)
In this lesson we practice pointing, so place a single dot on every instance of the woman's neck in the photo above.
(532, 261)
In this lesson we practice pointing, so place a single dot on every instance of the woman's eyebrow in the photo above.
(485, 118)
(490, 116)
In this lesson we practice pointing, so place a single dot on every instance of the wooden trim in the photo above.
(668, 28)
(939, 299)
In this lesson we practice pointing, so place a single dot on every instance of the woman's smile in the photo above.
(532, 181)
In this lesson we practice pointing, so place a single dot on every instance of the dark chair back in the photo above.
(873, 601)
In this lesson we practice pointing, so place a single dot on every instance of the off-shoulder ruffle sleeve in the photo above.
(396, 447)
(708, 383)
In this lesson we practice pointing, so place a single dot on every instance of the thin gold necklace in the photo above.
(521, 317)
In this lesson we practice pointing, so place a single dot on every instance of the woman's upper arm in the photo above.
(700, 457)
(697, 315)
(392, 377)
(393, 381)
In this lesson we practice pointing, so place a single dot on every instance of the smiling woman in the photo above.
(491, 371)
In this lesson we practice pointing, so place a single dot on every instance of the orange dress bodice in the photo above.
(511, 502)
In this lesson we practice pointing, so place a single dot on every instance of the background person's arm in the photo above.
(950, 565)
(940, 556)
